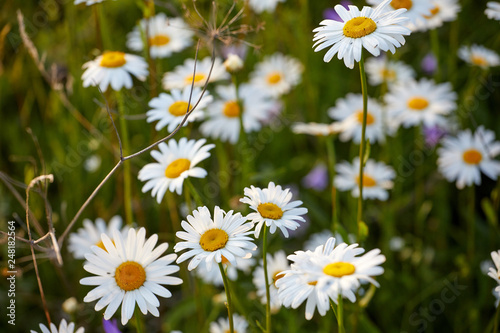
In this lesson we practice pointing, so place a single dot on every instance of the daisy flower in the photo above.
(176, 161)
(88, 2)
(222, 325)
(443, 11)
(64, 327)
(84, 238)
(348, 112)
(327, 272)
(272, 207)
(170, 109)
(477, 55)
(275, 266)
(213, 276)
(493, 10)
(277, 74)
(494, 272)
(260, 6)
(373, 29)
(315, 129)
(420, 102)
(463, 158)
(381, 70)
(166, 36)
(114, 68)
(224, 113)
(182, 75)
(129, 271)
(320, 238)
(377, 179)
(210, 240)
(417, 10)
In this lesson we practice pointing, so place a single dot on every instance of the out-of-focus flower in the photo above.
(92, 163)
(182, 75)
(64, 327)
(222, 325)
(233, 63)
(70, 305)
(317, 178)
(315, 129)
(276, 264)
(396, 243)
(260, 6)
(416, 10)
(443, 11)
(433, 134)
(429, 64)
(477, 55)
(380, 70)
(110, 326)
(493, 10)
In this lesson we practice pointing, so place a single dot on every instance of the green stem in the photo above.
(362, 143)
(243, 139)
(340, 314)
(435, 50)
(187, 197)
(471, 225)
(266, 279)
(194, 192)
(330, 147)
(495, 323)
(228, 296)
(106, 40)
(127, 182)
(138, 321)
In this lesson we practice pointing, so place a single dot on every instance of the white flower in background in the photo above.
(129, 271)
(477, 55)
(273, 208)
(276, 264)
(115, 69)
(464, 157)
(323, 274)
(223, 115)
(320, 238)
(416, 10)
(210, 240)
(64, 327)
(260, 6)
(315, 129)
(170, 109)
(277, 74)
(377, 179)
(92, 163)
(213, 276)
(84, 238)
(493, 10)
(175, 162)
(222, 325)
(166, 36)
(233, 63)
(348, 112)
(381, 70)
(182, 75)
(370, 28)
(443, 11)
(423, 102)
(88, 2)
(494, 273)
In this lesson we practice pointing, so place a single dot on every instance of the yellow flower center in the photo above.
(231, 109)
(197, 78)
(359, 27)
(130, 275)
(277, 276)
(339, 269)
(159, 40)
(213, 239)
(101, 245)
(113, 59)
(388, 74)
(177, 167)
(418, 103)
(367, 181)
(274, 78)
(478, 60)
(472, 156)
(434, 11)
(397, 4)
(270, 211)
(369, 118)
(178, 108)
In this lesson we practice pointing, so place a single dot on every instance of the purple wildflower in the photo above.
(331, 14)
(317, 178)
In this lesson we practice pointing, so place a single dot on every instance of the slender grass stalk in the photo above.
(330, 147)
(362, 145)
(194, 192)
(495, 322)
(228, 296)
(340, 314)
(98, 34)
(471, 223)
(139, 325)
(127, 181)
(266, 279)
(105, 35)
(187, 197)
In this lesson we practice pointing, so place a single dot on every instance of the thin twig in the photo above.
(24, 240)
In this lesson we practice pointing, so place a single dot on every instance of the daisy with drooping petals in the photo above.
(114, 68)
(370, 28)
(81, 241)
(443, 11)
(64, 327)
(129, 271)
(260, 6)
(277, 74)
(348, 112)
(182, 75)
(493, 10)
(377, 179)
(315, 129)
(276, 264)
(176, 162)
(210, 240)
(222, 325)
(463, 158)
(170, 109)
(166, 36)
(477, 55)
(416, 10)
(381, 70)
(224, 113)
(420, 103)
(273, 208)
(326, 273)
